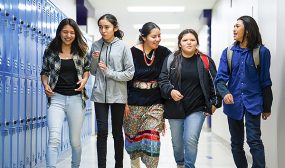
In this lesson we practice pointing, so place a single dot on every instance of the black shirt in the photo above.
(144, 73)
(194, 99)
(67, 79)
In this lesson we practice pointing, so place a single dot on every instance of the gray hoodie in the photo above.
(111, 87)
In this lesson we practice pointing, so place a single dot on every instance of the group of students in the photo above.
(146, 83)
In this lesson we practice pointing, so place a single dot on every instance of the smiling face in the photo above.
(239, 31)
(153, 39)
(107, 30)
(67, 35)
(188, 44)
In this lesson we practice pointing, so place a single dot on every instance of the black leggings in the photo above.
(117, 114)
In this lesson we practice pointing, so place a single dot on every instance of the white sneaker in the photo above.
(180, 166)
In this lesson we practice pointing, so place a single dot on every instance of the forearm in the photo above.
(44, 80)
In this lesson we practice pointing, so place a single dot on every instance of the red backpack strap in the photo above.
(205, 59)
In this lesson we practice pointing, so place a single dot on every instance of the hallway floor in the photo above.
(212, 153)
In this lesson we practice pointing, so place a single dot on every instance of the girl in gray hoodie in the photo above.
(112, 65)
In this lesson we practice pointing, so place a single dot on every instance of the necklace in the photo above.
(148, 57)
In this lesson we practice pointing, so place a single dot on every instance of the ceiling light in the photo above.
(162, 26)
(156, 9)
(169, 36)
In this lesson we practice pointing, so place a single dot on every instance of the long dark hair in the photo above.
(113, 20)
(79, 45)
(251, 32)
(178, 53)
(146, 29)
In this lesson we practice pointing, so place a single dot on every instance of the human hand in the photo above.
(48, 91)
(81, 84)
(126, 111)
(103, 67)
(228, 99)
(265, 115)
(96, 54)
(176, 95)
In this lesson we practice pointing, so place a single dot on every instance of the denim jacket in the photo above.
(51, 68)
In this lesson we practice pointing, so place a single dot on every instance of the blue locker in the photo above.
(15, 100)
(44, 137)
(33, 50)
(13, 139)
(1, 119)
(38, 123)
(7, 148)
(20, 146)
(28, 39)
(14, 36)
(27, 126)
(2, 113)
(33, 123)
(39, 37)
(21, 123)
(1, 147)
(22, 101)
(21, 36)
(7, 99)
(7, 37)
(1, 36)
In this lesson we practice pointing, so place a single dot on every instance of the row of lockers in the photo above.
(25, 146)
(26, 27)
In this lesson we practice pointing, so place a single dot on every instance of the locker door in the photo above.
(1, 36)
(1, 119)
(44, 138)
(28, 39)
(13, 139)
(7, 37)
(38, 124)
(7, 148)
(33, 49)
(33, 124)
(21, 113)
(15, 101)
(14, 37)
(7, 99)
(2, 113)
(27, 126)
(39, 37)
(21, 36)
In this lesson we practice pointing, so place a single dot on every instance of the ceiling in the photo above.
(187, 19)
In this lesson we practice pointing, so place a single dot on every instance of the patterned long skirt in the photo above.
(142, 133)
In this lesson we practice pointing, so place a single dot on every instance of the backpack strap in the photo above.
(205, 60)
(255, 55)
(169, 61)
(229, 57)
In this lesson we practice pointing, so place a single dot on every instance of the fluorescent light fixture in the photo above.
(156, 9)
(162, 26)
(169, 36)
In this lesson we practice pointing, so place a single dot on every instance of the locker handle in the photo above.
(14, 18)
(34, 119)
(34, 29)
(22, 22)
(22, 121)
(40, 32)
(40, 118)
(28, 120)
(6, 14)
(7, 123)
(15, 122)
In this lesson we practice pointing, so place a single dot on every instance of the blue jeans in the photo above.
(185, 135)
(253, 133)
(71, 107)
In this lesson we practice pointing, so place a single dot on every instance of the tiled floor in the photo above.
(212, 153)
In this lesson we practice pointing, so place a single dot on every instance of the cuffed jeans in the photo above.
(117, 114)
(185, 135)
(71, 107)
(253, 133)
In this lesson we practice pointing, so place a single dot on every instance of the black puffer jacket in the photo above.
(167, 82)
